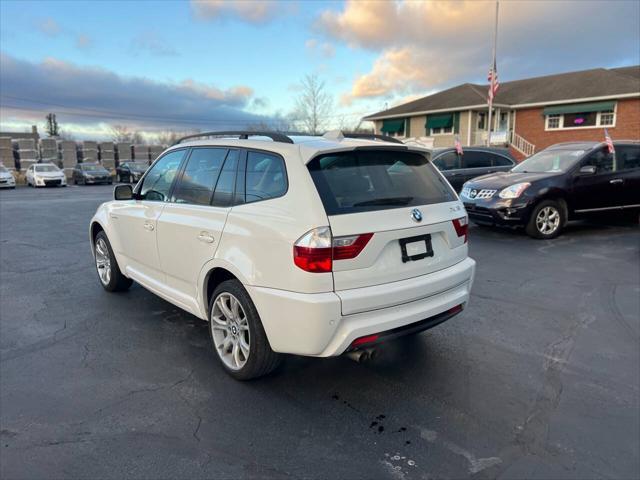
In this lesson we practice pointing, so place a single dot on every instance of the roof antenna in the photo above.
(334, 135)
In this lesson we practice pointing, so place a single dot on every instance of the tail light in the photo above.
(462, 227)
(316, 250)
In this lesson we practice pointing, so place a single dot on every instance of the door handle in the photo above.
(149, 226)
(206, 237)
(616, 180)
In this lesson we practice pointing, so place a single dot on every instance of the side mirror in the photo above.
(588, 170)
(123, 192)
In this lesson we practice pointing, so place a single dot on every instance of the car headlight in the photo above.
(514, 191)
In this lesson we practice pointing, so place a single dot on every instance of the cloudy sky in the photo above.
(215, 64)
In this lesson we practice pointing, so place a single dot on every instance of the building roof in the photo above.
(563, 87)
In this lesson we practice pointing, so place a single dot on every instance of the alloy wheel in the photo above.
(548, 220)
(230, 331)
(103, 261)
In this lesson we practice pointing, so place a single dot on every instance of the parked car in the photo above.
(131, 171)
(474, 162)
(45, 175)
(303, 245)
(557, 184)
(86, 173)
(6, 179)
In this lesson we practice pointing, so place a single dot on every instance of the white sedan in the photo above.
(45, 175)
(6, 179)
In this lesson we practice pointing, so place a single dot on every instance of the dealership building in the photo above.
(528, 114)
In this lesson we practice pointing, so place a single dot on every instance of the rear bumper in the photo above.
(313, 324)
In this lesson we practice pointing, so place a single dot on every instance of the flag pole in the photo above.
(493, 75)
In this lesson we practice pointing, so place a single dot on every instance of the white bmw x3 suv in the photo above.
(311, 246)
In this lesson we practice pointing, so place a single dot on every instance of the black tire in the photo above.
(261, 360)
(536, 229)
(117, 282)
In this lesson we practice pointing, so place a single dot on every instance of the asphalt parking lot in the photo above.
(538, 378)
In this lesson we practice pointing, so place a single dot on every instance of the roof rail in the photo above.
(242, 134)
(371, 136)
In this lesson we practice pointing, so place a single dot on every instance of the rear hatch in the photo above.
(398, 196)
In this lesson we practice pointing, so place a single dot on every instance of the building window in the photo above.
(606, 118)
(568, 121)
(442, 130)
(553, 121)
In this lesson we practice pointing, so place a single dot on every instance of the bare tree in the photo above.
(122, 134)
(313, 104)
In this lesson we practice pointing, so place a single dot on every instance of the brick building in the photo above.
(528, 114)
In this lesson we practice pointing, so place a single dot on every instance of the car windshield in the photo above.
(3, 169)
(47, 168)
(92, 168)
(549, 161)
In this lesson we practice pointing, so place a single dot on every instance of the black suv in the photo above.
(555, 185)
(474, 161)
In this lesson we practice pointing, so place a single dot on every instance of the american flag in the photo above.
(608, 141)
(458, 146)
(492, 78)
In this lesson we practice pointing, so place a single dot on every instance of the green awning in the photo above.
(392, 125)
(440, 121)
(579, 108)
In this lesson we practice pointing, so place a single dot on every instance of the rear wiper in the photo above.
(385, 201)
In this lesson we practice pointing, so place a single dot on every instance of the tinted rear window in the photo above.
(367, 180)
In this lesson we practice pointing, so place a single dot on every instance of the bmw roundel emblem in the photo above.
(416, 214)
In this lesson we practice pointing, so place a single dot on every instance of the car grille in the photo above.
(474, 193)
(474, 211)
(52, 182)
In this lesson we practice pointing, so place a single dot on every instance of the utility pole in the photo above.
(493, 75)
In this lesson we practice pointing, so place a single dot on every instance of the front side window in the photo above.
(157, 183)
(199, 176)
(448, 161)
(266, 176)
(601, 159)
(370, 180)
(628, 157)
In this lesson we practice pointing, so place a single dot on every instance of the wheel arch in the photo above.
(555, 195)
(213, 274)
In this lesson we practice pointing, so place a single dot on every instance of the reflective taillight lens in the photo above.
(346, 248)
(462, 227)
(316, 250)
(312, 252)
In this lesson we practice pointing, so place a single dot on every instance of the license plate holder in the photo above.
(406, 247)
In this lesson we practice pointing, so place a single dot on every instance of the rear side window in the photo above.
(447, 161)
(266, 177)
(472, 159)
(225, 187)
(500, 161)
(199, 177)
(369, 180)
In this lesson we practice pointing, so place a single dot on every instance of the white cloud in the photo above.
(150, 42)
(252, 11)
(431, 44)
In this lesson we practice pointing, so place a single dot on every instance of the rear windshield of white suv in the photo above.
(367, 180)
